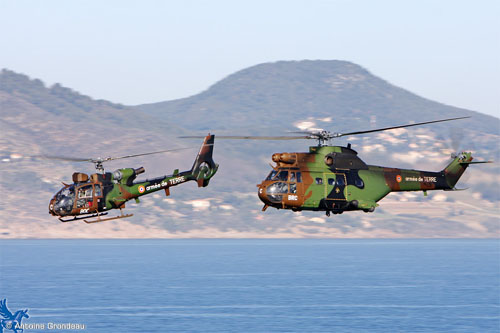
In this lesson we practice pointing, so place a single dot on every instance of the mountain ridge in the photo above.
(229, 207)
(320, 88)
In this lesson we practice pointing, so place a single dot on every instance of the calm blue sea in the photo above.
(255, 285)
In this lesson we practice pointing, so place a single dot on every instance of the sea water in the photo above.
(216, 285)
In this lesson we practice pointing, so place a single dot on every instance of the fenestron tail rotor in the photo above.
(323, 136)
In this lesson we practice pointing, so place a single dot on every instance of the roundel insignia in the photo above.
(398, 178)
(141, 189)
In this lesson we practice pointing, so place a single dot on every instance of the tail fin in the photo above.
(456, 168)
(204, 166)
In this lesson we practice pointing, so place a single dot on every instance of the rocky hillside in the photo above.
(265, 99)
(279, 94)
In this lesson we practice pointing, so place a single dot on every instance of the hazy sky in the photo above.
(135, 52)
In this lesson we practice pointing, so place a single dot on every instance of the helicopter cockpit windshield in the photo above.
(64, 199)
(284, 181)
(281, 175)
(271, 175)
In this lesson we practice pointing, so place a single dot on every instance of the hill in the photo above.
(265, 99)
(283, 93)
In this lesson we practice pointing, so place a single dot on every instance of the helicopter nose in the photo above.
(272, 193)
(263, 193)
(51, 206)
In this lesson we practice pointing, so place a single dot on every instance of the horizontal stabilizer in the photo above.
(476, 162)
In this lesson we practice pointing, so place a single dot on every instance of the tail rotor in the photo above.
(453, 146)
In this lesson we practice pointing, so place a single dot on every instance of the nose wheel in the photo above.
(328, 213)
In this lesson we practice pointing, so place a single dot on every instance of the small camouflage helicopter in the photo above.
(334, 179)
(88, 198)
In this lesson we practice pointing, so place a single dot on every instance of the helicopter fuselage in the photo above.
(334, 179)
(109, 190)
(90, 196)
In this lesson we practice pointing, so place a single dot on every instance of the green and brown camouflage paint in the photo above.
(113, 190)
(335, 179)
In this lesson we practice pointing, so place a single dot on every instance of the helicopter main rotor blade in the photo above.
(105, 159)
(230, 137)
(322, 135)
(144, 154)
(402, 126)
(303, 132)
(64, 158)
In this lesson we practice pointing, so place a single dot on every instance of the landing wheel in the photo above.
(328, 213)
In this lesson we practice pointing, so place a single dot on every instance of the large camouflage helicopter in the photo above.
(334, 179)
(93, 197)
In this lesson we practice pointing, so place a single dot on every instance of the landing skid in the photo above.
(76, 218)
(98, 219)
(122, 216)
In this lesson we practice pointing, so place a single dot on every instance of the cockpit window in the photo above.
(84, 197)
(98, 192)
(283, 175)
(271, 175)
(64, 201)
(85, 192)
(276, 190)
(319, 181)
(67, 191)
(340, 181)
(331, 181)
(299, 177)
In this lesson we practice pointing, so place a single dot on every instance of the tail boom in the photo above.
(203, 169)
(414, 180)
